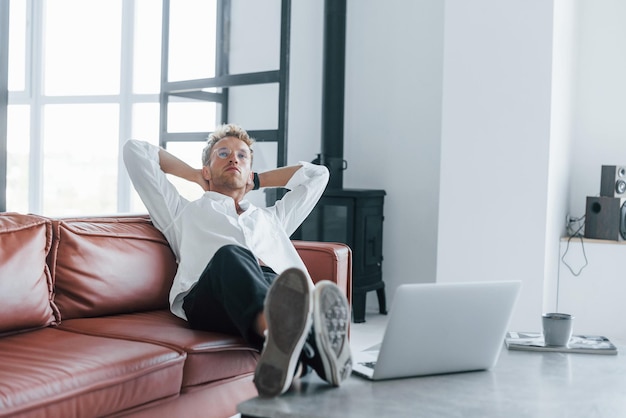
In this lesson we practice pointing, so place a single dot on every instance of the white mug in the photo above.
(557, 328)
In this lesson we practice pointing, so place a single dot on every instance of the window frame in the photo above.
(33, 96)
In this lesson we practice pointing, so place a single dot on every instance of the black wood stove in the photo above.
(354, 217)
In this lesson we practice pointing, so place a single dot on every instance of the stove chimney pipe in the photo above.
(333, 91)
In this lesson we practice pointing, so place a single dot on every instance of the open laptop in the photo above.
(437, 328)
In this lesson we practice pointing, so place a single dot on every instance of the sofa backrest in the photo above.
(109, 265)
(57, 269)
(25, 280)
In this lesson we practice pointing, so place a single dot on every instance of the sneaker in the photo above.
(327, 349)
(288, 315)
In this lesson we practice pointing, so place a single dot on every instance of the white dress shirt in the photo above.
(197, 229)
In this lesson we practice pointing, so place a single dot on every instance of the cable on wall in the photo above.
(575, 234)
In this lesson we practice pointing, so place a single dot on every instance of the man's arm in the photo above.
(278, 177)
(177, 167)
(306, 183)
(170, 164)
(160, 196)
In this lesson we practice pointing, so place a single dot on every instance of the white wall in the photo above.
(598, 137)
(392, 126)
(495, 146)
(599, 129)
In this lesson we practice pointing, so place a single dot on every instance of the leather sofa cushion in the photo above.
(104, 266)
(210, 356)
(56, 373)
(25, 281)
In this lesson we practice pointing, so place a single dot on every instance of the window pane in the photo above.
(147, 72)
(82, 47)
(189, 152)
(17, 45)
(255, 107)
(191, 116)
(192, 40)
(18, 148)
(265, 156)
(81, 157)
(254, 42)
(136, 205)
(146, 122)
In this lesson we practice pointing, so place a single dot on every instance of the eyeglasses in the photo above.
(223, 153)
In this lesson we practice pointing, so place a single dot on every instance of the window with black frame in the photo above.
(83, 77)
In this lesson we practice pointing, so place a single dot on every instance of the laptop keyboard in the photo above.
(369, 364)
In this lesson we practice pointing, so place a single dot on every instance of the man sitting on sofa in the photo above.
(229, 253)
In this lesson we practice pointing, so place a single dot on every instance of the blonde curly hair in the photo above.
(222, 132)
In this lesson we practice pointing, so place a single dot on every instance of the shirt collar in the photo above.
(219, 197)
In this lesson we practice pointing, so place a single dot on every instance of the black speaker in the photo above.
(605, 218)
(613, 182)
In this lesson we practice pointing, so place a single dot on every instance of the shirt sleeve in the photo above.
(158, 195)
(305, 189)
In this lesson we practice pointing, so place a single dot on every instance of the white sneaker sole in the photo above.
(288, 315)
(331, 320)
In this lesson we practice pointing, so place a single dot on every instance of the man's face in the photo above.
(230, 164)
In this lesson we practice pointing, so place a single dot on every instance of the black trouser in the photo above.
(229, 294)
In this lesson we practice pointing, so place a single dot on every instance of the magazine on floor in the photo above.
(533, 341)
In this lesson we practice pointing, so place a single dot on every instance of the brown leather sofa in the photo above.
(85, 329)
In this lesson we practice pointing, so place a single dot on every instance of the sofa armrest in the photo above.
(328, 261)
